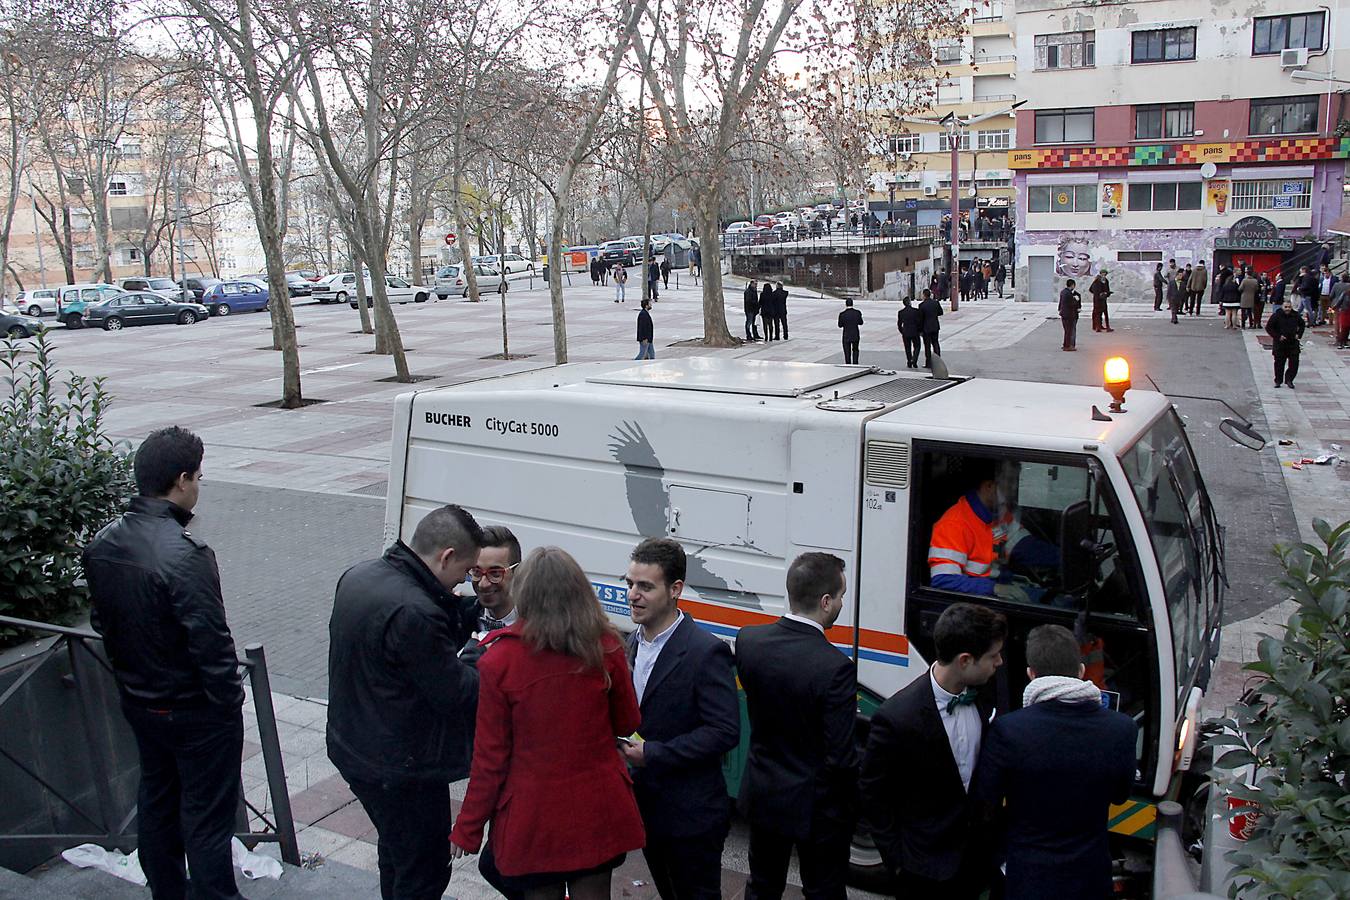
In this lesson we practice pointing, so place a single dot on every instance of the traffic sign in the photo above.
(450, 239)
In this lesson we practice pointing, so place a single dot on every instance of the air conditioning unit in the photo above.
(1296, 58)
(929, 190)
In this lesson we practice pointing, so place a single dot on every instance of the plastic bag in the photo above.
(92, 856)
(253, 865)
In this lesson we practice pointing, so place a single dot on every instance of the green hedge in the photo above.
(61, 479)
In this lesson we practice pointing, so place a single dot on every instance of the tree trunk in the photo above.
(555, 241)
(648, 256)
(462, 238)
(715, 330)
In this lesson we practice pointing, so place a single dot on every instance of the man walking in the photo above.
(850, 320)
(665, 271)
(620, 279)
(1070, 303)
(751, 311)
(1310, 288)
(1000, 276)
(686, 688)
(1340, 308)
(1197, 285)
(653, 279)
(157, 603)
(1159, 285)
(645, 332)
(401, 705)
(1286, 327)
(1049, 773)
(695, 262)
(920, 760)
(931, 310)
(1100, 289)
(909, 322)
(1176, 294)
(800, 783)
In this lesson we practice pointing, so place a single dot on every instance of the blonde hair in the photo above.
(558, 608)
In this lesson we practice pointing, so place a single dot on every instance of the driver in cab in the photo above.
(975, 534)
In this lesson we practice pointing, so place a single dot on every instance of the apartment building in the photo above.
(1175, 129)
(911, 178)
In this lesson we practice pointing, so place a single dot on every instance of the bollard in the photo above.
(271, 750)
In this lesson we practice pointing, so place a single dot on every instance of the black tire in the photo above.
(187, 317)
(341, 297)
(113, 323)
(420, 298)
(35, 310)
(17, 331)
(75, 320)
(222, 309)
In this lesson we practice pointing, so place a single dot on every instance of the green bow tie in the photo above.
(965, 698)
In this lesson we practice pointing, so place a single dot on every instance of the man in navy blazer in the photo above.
(1050, 772)
(801, 776)
(690, 718)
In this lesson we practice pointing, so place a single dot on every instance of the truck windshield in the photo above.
(1161, 470)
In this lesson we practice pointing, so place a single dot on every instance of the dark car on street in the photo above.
(19, 326)
(142, 308)
(199, 286)
(625, 253)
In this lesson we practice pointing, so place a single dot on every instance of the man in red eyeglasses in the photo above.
(497, 561)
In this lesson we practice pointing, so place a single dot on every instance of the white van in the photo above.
(749, 463)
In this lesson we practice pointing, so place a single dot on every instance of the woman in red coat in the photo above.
(554, 693)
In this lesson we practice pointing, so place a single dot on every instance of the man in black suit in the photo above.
(932, 311)
(909, 321)
(1058, 764)
(920, 758)
(850, 320)
(800, 783)
(687, 691)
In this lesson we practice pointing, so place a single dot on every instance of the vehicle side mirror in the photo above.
(1075, 550)
(1243, 433)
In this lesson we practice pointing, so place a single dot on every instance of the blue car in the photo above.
(235, 296)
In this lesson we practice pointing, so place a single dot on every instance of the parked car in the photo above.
(450, 280)
(398, 290)
(241, 295)
(746, 226)
(17, 326)
(296, 285)
(142, 308)
(514, 262)
(623, 252)
(309, 275)
(167, 288)
(763, 221)
(200, 285)
(37, 302)
(72, 299)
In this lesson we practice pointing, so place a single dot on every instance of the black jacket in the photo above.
(1069, 303)
(400, 703)
(751, 302)
(916, 806)
(157, 603)
(1285, 326)
(1310, 285)
(1100, 289)
(931, 310)
(768, 308)
(1176, 292)
(780, 296)
(850, 319)
(801, 775)
(1277, 291)
(644, 328)
(1058, 766)
(690, 718)
(909, 321)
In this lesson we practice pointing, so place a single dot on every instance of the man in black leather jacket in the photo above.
(401, 704)
(157, 603)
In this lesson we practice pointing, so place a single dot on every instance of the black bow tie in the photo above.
(490, 624)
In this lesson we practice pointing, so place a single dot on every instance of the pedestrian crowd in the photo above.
(456, 655)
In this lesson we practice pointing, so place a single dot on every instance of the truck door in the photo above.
(1038, 494)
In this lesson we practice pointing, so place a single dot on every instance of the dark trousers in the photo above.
(768, 327)
(1258, 311)
(930, 347)
(1157, 298)
(686, 868)
(850, 351)
(1175, 307)
(1286, 361)
(911, 350)
(188, 798)
(413, 841)
(751, 332)
(823, 865)
(782, 321)
(1070, 332)
(965, 886)
(653, 290)
(1101, 319)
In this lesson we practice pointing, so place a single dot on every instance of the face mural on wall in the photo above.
(1073, 259)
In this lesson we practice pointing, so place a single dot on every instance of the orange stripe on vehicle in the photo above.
(838, 634)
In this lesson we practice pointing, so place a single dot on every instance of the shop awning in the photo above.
(1340, 226)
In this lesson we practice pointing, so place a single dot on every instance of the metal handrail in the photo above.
(254, 662)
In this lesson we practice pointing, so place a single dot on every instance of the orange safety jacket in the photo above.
(962, 544)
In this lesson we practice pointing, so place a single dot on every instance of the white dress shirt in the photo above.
(647, 654)
(963, 730)
(812, 622)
